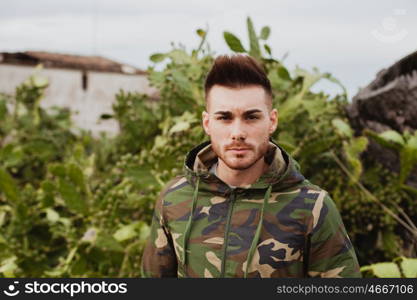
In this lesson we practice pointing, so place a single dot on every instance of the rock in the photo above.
(388, 102)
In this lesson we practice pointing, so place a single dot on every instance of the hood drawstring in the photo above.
(188, 226)
(258, 231)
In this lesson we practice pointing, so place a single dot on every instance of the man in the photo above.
(242, 208)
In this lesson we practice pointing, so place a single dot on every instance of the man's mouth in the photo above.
(239, 150)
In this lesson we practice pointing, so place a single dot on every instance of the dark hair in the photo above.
(236, 71)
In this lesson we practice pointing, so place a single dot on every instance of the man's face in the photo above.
(239, 124)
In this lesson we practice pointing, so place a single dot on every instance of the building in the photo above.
(85, 84)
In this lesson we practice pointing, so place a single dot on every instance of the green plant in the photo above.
(75, 205)
(399, 267)
(406, 146)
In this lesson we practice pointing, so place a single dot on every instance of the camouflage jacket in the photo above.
(279, 226)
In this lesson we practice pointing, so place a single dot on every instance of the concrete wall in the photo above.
(65, 90)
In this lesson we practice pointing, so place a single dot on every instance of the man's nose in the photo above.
(238, 131)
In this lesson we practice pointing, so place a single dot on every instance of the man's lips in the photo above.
(239, 150)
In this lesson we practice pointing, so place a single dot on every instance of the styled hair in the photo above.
(236, 71)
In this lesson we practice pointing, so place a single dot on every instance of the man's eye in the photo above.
(252, 117)
(223, 118)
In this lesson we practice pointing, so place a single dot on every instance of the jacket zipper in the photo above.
(226, 233)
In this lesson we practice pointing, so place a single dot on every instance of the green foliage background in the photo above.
(72, 205)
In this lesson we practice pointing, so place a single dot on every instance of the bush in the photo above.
(73, 205)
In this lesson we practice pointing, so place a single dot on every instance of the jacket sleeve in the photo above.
(159, 259)
(331, 251)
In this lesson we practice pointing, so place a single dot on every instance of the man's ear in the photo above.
(206, 119)
(273, 117)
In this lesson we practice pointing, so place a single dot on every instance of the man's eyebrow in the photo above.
(248, 112)
(252, 111)
(222, 112)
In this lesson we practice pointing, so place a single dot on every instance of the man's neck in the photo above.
(241, 177)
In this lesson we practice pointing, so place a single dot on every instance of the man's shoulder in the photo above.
(322, 194)
(322, 207)
(172, 190)
(310, 186)
(315, 199)
(175, 187)
(314, 189)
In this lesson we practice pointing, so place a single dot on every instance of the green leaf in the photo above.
(65, 221)
(201, 33)
(392, 136)
(408, 159)
(43, 149)
(265, 31)
(8, 186)
(142, 176)
(106, 116)
(268, 50)
(11, 156)
(412, 141)
(108, 243)
(22, 211)
(290, 108)
(408, 266)
(8, 267)
(144, 232)
(182, 81)
(409, 189)
(342, 127)
(52, 215)
(357, 146)
(390, 241)
(157, 78)
(383, 270)
(283, 72)
(157, 57)
(286, 140)
(314, 107)
(317, 147)
(180, 126)
(72, 196)
(40, 81)
(382, 141)
(179, 56)
(159, 142)
(233, 42)
(352, 150)
(3, 110)
(77, 176)
(2, 239)
(126, 232)
(48, 189)
(280, 79)
(309, 79)
(79, 267)
(408, 156)
(254, 49)
(57, 170)
(57, 272)
(2, 217)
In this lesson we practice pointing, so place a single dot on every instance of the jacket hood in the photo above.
(283, 171)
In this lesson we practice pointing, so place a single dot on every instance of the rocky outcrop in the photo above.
(388, 102)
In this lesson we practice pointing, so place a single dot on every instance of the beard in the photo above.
(240, 161)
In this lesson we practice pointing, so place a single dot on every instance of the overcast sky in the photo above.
(353, 40)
